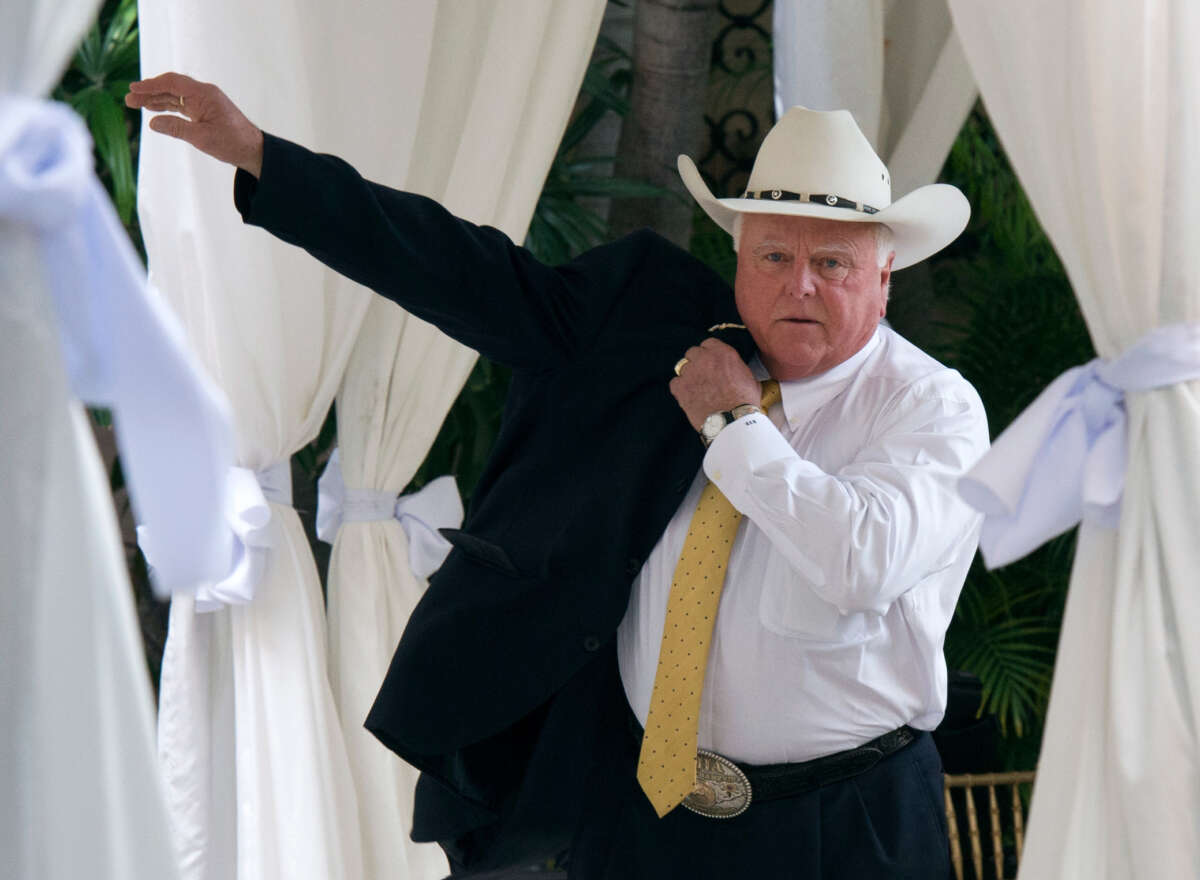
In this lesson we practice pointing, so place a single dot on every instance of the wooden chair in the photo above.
(972, 786)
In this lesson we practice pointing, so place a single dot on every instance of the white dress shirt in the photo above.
(846, 569)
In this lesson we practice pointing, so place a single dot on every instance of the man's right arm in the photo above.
(470, 281)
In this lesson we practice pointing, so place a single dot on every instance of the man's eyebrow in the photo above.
(842, 247)
(771, 242)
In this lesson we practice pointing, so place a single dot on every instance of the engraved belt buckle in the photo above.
(722, 790)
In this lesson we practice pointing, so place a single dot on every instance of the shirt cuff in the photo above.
(743, 447)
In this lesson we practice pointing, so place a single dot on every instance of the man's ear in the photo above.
(885, 283)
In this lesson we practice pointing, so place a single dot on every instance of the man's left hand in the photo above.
(714, 379)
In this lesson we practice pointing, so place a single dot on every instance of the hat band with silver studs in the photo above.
(832, 201)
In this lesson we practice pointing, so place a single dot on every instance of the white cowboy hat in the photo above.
(817, 163)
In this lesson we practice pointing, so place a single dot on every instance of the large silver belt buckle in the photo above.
(722, 790)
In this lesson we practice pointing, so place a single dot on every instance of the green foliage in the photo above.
(1008, 321)
(562, 225)
(712, 246)
(1005, 631)
(95, 85)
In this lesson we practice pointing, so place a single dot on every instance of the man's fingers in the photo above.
(715, 344)
(175, 127)
(167, 91)
(157, 102)
(171, 82)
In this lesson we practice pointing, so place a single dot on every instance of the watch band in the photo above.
(744, 409)
(715, 423)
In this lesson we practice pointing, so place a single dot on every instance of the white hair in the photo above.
(883, 239)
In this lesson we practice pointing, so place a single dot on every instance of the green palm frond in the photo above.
(95, 85)
(1002, 636)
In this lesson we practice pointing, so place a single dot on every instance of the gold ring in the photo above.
(181, 102)
(679, 365)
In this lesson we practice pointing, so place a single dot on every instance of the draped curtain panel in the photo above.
(896, 65)
(80, 794)
(501, 82)
(79, 788)
(459, 100)
(257, 775)
(1098, 106)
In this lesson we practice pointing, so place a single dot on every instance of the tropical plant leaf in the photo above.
(95, 85)
(1014, 660)
(119, 52)
(106, 120)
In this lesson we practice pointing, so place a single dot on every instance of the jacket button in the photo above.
(632, 566)
(591, 643)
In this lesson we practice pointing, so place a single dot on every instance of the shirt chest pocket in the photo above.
(789, 607)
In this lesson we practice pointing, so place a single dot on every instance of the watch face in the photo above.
(712, 425)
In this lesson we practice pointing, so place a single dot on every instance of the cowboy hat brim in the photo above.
(922, 222)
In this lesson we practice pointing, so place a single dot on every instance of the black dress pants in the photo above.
(888, 822)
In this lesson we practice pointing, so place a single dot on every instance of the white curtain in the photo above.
(896, 65)
(444, 98)
(79, 788)
(500, 82)
(80, 794)
(1098, 105)
(258, 781)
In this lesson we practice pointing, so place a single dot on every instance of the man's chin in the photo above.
(793, 365)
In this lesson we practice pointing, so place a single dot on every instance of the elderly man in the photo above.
(680, 655)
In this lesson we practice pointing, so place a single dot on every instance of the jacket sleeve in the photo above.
(470, 281)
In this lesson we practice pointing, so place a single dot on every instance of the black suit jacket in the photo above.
(503, 689)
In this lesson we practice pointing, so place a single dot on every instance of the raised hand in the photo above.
(207, 119)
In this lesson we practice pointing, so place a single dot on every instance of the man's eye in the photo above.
(774, 257)
(832, 268)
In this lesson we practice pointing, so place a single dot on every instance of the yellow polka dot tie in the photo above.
(667, 764)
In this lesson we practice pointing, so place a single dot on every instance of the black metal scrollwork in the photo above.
(747, 35)
(740, 101)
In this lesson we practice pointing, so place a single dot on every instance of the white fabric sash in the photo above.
(436, 506)
(122, 346)
(1063, 458)
(249, 495)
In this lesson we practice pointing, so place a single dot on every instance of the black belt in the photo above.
(720, 795)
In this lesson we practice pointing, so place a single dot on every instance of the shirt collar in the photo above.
(802, 397)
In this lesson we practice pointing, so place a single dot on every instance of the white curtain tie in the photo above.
(436, 506)
(368, 505)
(1063, 458)
(122, 346)
(249, 495)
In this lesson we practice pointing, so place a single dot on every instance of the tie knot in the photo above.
(770, 393)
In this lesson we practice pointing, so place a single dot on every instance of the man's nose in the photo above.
(803, 282)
